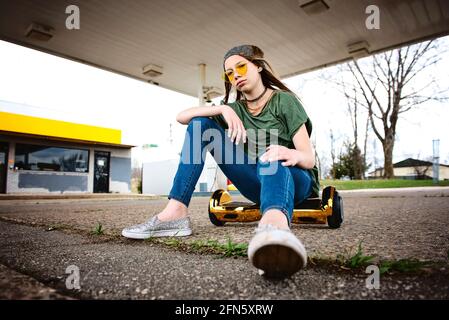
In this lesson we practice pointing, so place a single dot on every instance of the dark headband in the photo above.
(244, 51)
(247, 51)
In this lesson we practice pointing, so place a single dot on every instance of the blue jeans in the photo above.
(268, 184)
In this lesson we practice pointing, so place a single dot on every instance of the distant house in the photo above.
(413, 169)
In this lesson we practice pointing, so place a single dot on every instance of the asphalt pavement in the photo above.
(44, 240)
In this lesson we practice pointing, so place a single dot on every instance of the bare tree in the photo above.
(387, 83)
(332, 153)
(421, 171)
(353, 106)
(317, 159)
(423, 167)
(356, 107)
(136, 177)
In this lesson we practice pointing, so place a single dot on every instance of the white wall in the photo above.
(157, 177)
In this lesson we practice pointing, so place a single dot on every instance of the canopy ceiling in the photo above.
(125, 36)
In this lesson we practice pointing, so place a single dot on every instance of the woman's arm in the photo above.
(236, 130)
(305, 153)
(185, 116)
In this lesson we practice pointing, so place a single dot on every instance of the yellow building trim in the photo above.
(58, 129)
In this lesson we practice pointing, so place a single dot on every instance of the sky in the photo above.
(56, 88)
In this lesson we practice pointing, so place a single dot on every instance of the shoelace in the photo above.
(266, 227)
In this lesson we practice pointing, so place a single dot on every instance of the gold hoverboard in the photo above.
(327, 209)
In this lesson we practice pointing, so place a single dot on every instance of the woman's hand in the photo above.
(236, 130)
(276, 152)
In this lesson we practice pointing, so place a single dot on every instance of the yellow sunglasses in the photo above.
(241, 69)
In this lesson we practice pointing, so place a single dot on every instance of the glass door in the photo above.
(3, 165)
(101, 172)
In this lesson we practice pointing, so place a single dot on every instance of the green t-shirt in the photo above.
(280, 119)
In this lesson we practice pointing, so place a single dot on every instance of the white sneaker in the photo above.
(157, 228)
(277, 253)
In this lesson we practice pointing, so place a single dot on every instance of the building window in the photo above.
(44, 158)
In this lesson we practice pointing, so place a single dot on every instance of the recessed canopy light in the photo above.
(314, 6)
(359, 49)
(40, 32)
(152, 70)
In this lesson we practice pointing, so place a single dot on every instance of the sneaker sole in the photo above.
(155, 234)
(278, 261)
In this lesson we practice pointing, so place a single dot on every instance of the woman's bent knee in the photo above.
(271, 168)
(205, 120)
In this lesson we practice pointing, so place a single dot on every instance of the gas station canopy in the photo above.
(164, 41)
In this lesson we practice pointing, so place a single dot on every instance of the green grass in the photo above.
(348, 260)
(231, 249)
(355, 261)
(403, 265)
(227, 249)
(374, 184)
(359, 261)
(98, 230)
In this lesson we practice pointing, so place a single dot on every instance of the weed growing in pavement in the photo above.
(234, 249)
(355, 261)
(359, 260)
(349, 260)
(403, 265)
(98, 230)
(227, 249)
